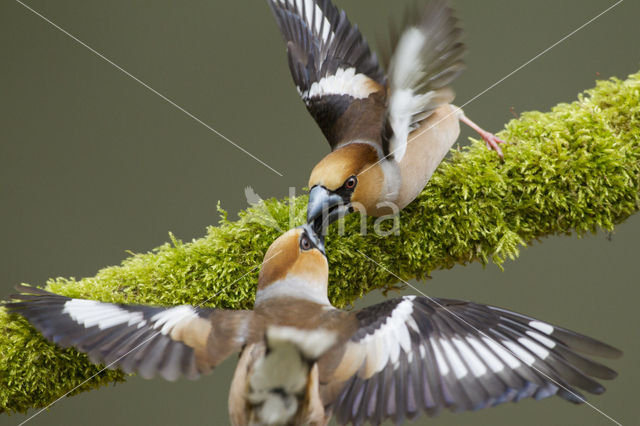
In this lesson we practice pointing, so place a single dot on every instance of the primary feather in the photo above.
(426, 59)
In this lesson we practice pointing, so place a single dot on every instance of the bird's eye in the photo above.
(305, 243)
(351, 182)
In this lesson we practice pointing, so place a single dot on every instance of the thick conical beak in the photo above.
(325, 207)
(316, 238)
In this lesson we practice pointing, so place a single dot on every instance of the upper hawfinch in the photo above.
(304, 360)
(388, 133)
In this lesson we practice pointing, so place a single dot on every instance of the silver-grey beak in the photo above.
(325, 207)
(316, 238)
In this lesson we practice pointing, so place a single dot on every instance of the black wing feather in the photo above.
(463, 356)
(135, 343)
(321, 45)
(312, 56)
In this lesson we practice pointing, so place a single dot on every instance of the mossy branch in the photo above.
(574, 169)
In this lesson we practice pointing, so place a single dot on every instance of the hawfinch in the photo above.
(302, 360)
(388, 133)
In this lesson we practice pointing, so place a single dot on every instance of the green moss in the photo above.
(574, 169)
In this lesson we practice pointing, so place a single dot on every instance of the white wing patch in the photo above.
(442, 365)
(343, 82)
(519, 352)
(534, 347)
(494, 363)
(406, 64)
(91, 313)
(458, 366)
(540, 338)
(105, 315)
(541, 326)
(498, 355)
(384, 345)
(427, 57)
(505, 355)
(477, 367)
(167, 319)
(405, 71)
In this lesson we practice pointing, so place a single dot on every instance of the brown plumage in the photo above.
(391, 131)
(303, 361)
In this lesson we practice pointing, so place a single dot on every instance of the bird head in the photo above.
(295, 265)
(347, 179)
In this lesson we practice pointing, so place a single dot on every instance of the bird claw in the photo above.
(493, 143)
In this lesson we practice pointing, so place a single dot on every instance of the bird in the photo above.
(304, 361)
(387, 132)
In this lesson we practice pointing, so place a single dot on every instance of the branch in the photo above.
(574, 169)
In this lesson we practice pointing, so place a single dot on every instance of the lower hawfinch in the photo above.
(387, 133)
(302, 360)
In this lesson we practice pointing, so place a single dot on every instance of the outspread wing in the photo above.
(414, 354)
(336, 74)
(426, 58)
(181, 340)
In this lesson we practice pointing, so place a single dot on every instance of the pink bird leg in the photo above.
(490, 139)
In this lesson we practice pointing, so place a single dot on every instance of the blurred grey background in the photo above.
(93, 164)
